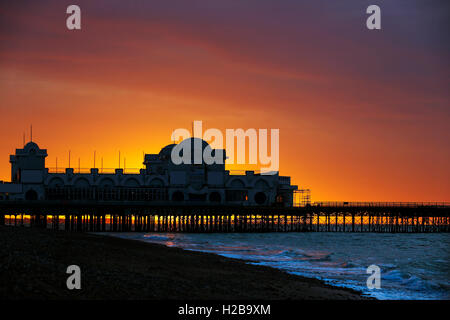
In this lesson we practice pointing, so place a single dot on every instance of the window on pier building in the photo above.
(236, 195)
(279, 198)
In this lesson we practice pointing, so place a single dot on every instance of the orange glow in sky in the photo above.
(363, 115)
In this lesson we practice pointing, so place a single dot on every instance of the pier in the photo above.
(142, 216)
(168, 197)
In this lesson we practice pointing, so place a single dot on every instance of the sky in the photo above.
(363, 114)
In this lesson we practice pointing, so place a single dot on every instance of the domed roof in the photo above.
(196, 147)
(194, 142)
(167, 150)
(30, 146)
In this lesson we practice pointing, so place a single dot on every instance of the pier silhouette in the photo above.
(118, 216)
(200, 197)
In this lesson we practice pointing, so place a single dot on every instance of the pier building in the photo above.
(159, 181)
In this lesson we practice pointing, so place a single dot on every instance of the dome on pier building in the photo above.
(31, 148)
(197, 148)
(165, 152)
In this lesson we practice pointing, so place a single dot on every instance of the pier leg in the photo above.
(79, 226)
(103, 222)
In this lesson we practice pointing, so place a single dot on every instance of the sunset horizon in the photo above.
(202, 159)
(363, 115)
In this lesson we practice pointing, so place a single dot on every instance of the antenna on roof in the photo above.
(94, 158)
(69, 159)
(24, 139)
(31, 133)
(119, 159)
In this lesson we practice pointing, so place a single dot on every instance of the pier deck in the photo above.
(179, 217)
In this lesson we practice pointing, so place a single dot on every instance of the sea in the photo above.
(412, 266)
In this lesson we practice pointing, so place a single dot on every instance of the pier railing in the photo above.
(136, 170)
(77, 170)
(343, 204)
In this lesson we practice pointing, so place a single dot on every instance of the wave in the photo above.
(338, 259)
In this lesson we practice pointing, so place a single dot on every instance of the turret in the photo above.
(28, 164)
